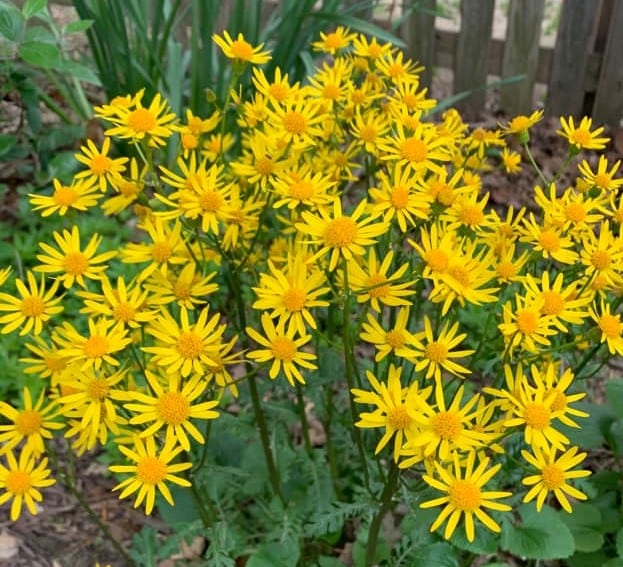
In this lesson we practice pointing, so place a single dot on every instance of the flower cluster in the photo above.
(342, 211)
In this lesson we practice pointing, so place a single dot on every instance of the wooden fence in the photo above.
(583, 71)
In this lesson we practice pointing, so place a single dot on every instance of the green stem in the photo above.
(386, 503)
(300, 405)
(199, 501)
(330, 445)
(534, 164)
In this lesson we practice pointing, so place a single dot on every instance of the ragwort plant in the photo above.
(320, 317)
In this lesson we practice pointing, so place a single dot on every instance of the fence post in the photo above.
(521, 54)
(608, 105)
(419, 35)
(574, 42)
(472, 54)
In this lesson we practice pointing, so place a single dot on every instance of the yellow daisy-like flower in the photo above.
(603, 178)
(150, 471)
(34, 308)
(298, 121)
(101, 169)
(334, 41)
(548, 240)
(21, 480)
(521, 124)
(104, 338)
(48, 361)
(127, 188)
(301, 186)
(185, 347)
(136, 123)
(436, 354)
(80, 195)
(32, 424)
(282, 347)
(171, 407)
(580, 137)
(240, 50)
(397, 340)
(464, 495)
(511, 161)
(395, 407)
(343, 236)
(553, 475)
(610, 326)
(72, 263)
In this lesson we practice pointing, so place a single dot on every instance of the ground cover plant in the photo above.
(316, 330)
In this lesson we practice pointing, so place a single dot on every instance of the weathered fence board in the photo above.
(418, 31)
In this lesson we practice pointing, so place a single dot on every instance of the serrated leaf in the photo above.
(540, 535)
(614, 392)
(32, 7)
(79, 26)
(438, 554)
(11, 22)
(40, 54)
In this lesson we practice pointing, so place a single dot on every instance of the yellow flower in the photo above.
(73, 264)
(549, 241)
(282, 348)
(276, 91)
(185, 347)
(240, 50)
(610, 326)
(135, 122)
(80, 195)
(511, 161)
(581, 137)
(32, 424)
(188, 288)
(338, 234)
(527, 325)
(300, 186)
(171, 407)
(128, 188)
(34, 308)
(21, 481)
(396, 340)
(602, 178)
(4, 274)
(436, 354)
(464, 495)
(150, 471)
(298, 121)
(49, 362)
(335, 41)
(395, 407)
(101, 169)
(553, 475)
(521, 124)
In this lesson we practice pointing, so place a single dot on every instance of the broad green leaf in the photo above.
(11, 22)
(438, 554)
(540, 535)
(183, 512)
(276, 554)
(591, 434)
(619, 542)
(79, 71)
(615, 437)
(485, 541)
(40, 54)
(326, 561)
(7, 141)
(614, 391)
(32, 7)
(39, 33)
(78, 26)
(614, 562)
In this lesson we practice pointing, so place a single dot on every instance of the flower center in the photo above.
(506, 270)
(436, 260)
(189, 345)
(160, 251)
(460, 274)
(334, 41)
(537, 416)
(600, 259)
(414, 150)
(97, 389)
(295, 123)
(527, 321)
(65, 196)
(331, 91)
(173, 408)
(447, 424)
(75, 263)
(395, 70)
(242, 50)
(559, 403)
(553, 476)
(151, 470)
(182, 290)
(18, 482)
(278, 91)
(575, 212)
(294, 299)
(302, 190)
(549, 240)
(100, 164)
(28, 422)
(398, 418)
(265, 166)
(128, 188)
(436, 352)
(367, 133)
(554, 304)
(471, 215)
(610, 325)
(54, 363)
(465, 495)
(210, 201)
(33, 306)
(142, 120)
(283, 348)
(395, 338)
(400, 197)
(519, 123)
(123, 312)
(603, 180)
(581, 137)
(95, 347)
(340, 232)
(378, 288)
(189, 141)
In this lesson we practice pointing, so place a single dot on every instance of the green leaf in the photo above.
(438, 554)
(183, 512)
(40, 54)
(585, 526)
(327, 561)
(276, 554)
(79, 71)
(485, 542)
(11, 22)
(38, 33)
(614, 562)
(79, 26)
(540, 535)
(615, 437)
(614, 391)
(32, 7)
(619, 542)
(592, 433)
(7, 141)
